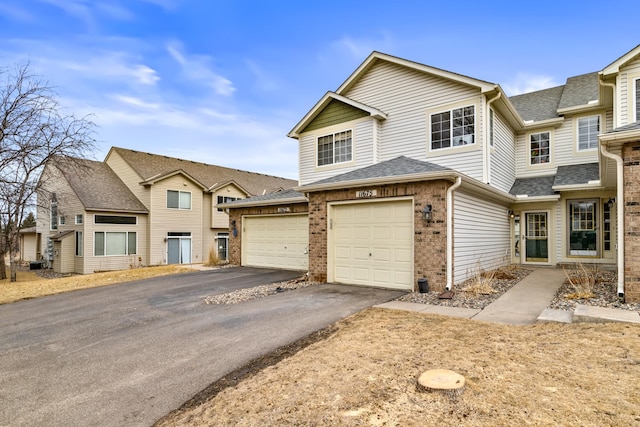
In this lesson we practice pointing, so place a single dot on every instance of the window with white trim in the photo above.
(637, 99)
(453, 128)
(79, 243)
(79, 219)
(223, 199)
(113, 243)
(61, 220)
(335, 148)
(588, 131)
(491, 128)
(540, 148)
(115, 219)
(178, 199)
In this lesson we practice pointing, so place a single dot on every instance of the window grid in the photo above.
(453, 128)
(223, 199)
(79, 219)
(606, 233)
(536, 225)
(539, 144)
(582, 217)
(335, 148)
(588, 130)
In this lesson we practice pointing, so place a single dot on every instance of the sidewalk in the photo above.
(525, 304)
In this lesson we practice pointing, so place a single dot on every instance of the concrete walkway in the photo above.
(525, 304)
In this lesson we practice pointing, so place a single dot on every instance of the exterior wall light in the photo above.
(427, 213)
(512, 214)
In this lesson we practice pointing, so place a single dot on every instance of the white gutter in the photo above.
(487, 138)
(620, 214)
(450, 232)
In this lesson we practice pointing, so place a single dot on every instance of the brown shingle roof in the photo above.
(149, 166)
(98, 187)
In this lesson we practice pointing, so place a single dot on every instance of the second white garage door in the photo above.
(373, 244)
(276, 242)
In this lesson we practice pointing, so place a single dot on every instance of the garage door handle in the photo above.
(369, 253)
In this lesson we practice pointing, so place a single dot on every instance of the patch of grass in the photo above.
(481, 283)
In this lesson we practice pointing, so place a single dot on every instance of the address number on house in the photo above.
(363, 194)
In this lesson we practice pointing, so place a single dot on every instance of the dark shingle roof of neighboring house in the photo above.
(533, 187)
(98, 187)
(279, 197)
(577, 174)
(565, 175)
(630, 126)
(391, 168)
(544, 104)
(579, 90)
(150, 166)
(539, 105)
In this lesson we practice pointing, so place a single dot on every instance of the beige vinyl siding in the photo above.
(130, 178)
(165, 220)
(503, 154)
(362, 139)
(406, 95)
(336, 112)
(221, 219)
(628, 74)
(121, 262)
(208, 233)
(63, 255)
(481, 237)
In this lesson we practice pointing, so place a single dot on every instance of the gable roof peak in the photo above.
(615, 66)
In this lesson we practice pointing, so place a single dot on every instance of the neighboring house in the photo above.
(138, 209)
(408, 171)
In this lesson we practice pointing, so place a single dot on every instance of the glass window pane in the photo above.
(116, 243)
(99, 243)
(131, 244)
(185, 200)
(172, 199)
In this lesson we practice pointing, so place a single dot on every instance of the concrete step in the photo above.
(588, 313)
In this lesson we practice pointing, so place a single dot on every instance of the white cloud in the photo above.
(13, 12)
(111, 65)
(76, 8)
(198, 69)
(525, 83)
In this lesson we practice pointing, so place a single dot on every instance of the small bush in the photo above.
(481, 283)
(212, 259)
(581, 280)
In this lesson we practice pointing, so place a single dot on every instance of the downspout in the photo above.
(487, 148)
(450, 191)
(619, 213)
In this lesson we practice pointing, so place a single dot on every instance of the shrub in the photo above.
(581, 280)
(212, 259)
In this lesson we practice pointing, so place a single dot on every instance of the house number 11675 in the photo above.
(366, 193)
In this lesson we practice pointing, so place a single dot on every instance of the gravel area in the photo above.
(258, 291)
(467, 296)
(604, 295)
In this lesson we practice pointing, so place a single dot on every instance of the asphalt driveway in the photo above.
(128, 354)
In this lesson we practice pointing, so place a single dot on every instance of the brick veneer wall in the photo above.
(429, 238)
(235, 249)
(631, 157)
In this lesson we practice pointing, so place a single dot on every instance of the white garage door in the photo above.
(276, 242)
(373, 244)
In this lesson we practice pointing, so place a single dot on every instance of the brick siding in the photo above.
(631, 157)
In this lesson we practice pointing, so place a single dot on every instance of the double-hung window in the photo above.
(453, 128)
(222, 199)
(335, 148)
(178, 199)
(588, 130)
(79, 243)
(540, 148)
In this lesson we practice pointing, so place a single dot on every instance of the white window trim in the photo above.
(551, 163)
(577, 133)
(81, 216)
(81, 246)
(120, 225)
(179, 193)
(459, 148)
(105, 243)
(334, 163)
(634, 105)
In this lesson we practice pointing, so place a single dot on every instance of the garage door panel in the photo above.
(380, 238)
(276, 241)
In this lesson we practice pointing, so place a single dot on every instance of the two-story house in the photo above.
(409, 171)
(139, 208)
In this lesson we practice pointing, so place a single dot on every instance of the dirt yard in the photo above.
(363, 371)
(30, 285)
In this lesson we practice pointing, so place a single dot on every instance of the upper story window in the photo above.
(637, 99)
(222, 199)
(453, 128)
(491, 129)
(539, 148)
(79, 219)
(61, 220)
(178, 199)
(588, 130)
(53, 223)
(335, 148)
(115, 219)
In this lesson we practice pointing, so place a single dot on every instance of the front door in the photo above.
(536, 237)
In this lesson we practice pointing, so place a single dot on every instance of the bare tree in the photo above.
(34, 129)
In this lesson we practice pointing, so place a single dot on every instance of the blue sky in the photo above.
(222, 82)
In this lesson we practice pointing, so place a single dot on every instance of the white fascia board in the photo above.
(532, 199)
(556, 122)
(582, 108)
(614, 67)
(578, 187)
